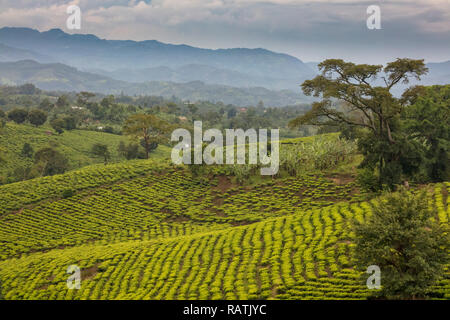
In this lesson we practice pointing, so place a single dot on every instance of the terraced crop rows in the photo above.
(16, 195)
(303, 255)
(156, 205)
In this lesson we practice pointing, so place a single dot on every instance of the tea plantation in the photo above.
(149, 230)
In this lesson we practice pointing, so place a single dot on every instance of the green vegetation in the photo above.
(403, 238)
(18, 115)
(285, 239)
(75, 145)
(321, 154)
(144, 204)
(49, 162)
(149, 128)
(74, 194)
(37, 117)
(101, 150)
(396, 136)
(316, 154)
(427, 119)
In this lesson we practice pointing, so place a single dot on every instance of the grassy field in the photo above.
(149, 230)
(76, 145)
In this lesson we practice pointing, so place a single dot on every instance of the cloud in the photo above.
(307, 29)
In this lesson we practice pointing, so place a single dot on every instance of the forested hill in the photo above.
(57, 76)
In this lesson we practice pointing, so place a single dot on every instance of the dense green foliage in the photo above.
(405, 241)
(297, 157)
(388, 142)
(18, 115)
(49, 162)
(316, 154)
(427, 119)
(101, 150)
(75, 145)
(37, 117)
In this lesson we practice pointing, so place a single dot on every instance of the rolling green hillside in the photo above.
(148, 230)
(75, 145)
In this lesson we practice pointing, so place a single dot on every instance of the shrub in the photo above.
(404, 239)
(70, 123)
(18, 115)
(50, 162)
(67, 193)
(37, 117)
(27, 150)
(57, 125)
(368, 181)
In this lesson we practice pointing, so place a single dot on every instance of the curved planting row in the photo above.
(17, 195)
(305, 255)
(157, 205)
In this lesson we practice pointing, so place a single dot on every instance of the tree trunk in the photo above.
(380, 172)
(147, 147)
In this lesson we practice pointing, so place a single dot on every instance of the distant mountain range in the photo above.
(14, 54)
(55, 60)
(199, 72)
(56, 76)
(60, 77)
(154, 60)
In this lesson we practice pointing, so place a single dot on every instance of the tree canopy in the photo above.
(101, 150)
(403, 238)
(37, 117)
(50, 162)
(18, 115)
(148, 127)
(372, 109)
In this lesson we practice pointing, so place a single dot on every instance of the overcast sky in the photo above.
(309, 30)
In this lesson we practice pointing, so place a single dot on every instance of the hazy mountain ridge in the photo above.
(199, 72)
(113, 66)
(14, 54)
(88, 52)
(55, 76)
(60, 77)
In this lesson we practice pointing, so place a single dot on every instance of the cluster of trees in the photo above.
(45, 162)
(64, 123)
(221, 116)
(38, 118)
(25, 89)
(108, 113)
(402, 139)
(20, 115)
